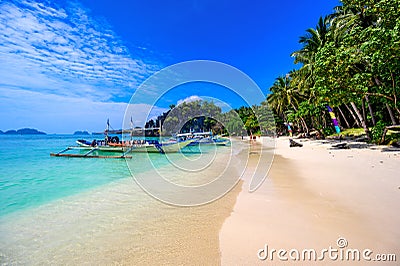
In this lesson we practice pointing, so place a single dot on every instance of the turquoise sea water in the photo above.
(58, 210)
(30, 177)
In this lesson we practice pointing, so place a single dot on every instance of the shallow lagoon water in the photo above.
(29, 177)
(75, 210)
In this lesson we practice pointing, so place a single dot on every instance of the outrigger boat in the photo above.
(172, 145)
(149, 146)
(114, 145)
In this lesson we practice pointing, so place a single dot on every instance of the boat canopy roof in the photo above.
(209, 133)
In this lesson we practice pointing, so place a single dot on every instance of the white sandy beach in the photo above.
(312, 197)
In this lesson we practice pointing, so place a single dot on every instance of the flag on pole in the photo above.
(334, 120)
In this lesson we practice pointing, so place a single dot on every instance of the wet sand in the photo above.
(312, 197)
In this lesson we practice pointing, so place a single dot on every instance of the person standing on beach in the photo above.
(289, 129)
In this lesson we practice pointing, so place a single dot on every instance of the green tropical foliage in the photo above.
(351, 62)
(199, 116)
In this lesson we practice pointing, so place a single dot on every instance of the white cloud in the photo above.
(61, 70)
(189, 99)
(46, 48)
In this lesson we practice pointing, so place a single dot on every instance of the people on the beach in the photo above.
(289, 128)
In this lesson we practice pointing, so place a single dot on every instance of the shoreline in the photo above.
(91, 228)
(313, 196)
(117, 223)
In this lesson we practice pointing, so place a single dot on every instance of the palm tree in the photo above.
(284, 96)
(347, 17)
(312, 41)
(352, 19)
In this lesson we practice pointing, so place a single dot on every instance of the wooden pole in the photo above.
(344, 117)
(370, 111)
(391, 114)
(93, 156)
(89, 152)
(64, 150)
(352, 114)
(364, 124)
(364, 116)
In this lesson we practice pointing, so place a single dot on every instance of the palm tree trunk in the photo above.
(300, 126)
(397, 110)
(313, 124)
(391, 114)
(352, 114)
(324, 119)
(344, 117)
(301, 119)
(370, 111)
(364, 116)
(304, 124)
(394, 94)
(364, 125)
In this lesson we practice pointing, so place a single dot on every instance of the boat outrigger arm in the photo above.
(87, 154)
(159, 148)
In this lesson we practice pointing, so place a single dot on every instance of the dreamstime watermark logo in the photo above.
(339, 253)
(210, 175)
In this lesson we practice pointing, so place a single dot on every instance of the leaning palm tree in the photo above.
(312, 41)
(284, 97)
(352, 19)
(304, 78)
(347, 17)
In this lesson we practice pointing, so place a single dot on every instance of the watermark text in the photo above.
(338, 253)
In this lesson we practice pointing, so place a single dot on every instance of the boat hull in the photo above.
(208, 141)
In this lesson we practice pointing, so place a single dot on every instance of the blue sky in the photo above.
(70, 65)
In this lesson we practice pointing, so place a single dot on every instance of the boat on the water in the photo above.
(103, 148)
(144, 145)
(206, 138)
(109, 146)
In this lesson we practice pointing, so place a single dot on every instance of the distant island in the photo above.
(81, 133)
(23, 131)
